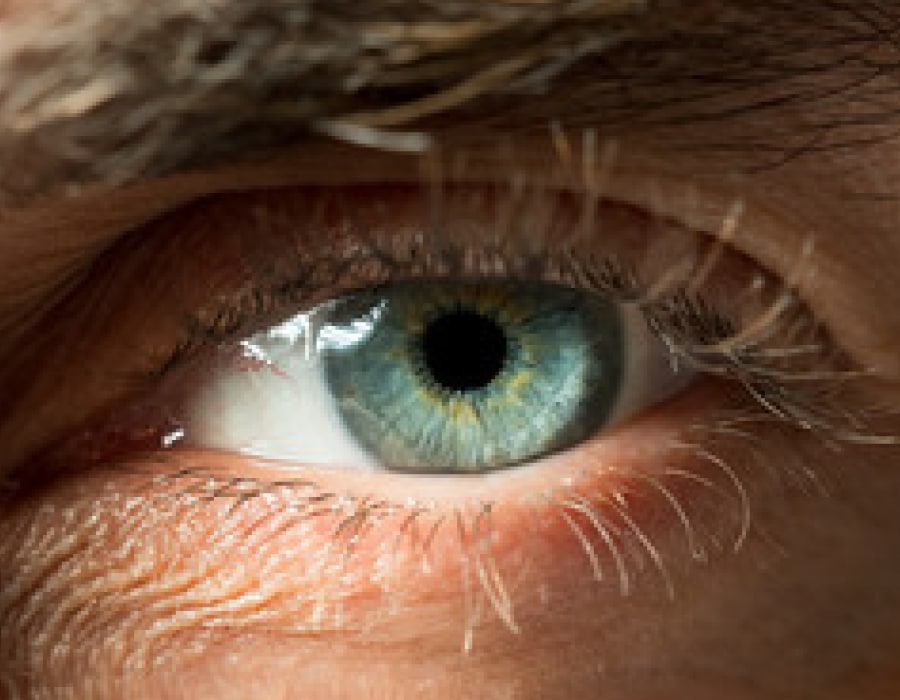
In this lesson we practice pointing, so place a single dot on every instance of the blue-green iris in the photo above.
(444, 376)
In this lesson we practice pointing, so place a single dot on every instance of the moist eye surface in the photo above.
(471, 376)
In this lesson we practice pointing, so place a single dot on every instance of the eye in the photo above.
(435, 377)
(310, 327)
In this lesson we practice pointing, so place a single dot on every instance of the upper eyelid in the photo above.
(226, 220)
(635, 180)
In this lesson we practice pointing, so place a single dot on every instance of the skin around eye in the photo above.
(611, 566)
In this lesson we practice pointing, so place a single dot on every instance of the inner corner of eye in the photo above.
(434, 377)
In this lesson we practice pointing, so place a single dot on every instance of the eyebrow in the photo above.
(120, 93)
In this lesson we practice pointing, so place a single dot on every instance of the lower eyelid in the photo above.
(155, 573)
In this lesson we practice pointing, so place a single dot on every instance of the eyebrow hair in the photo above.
(117, 92)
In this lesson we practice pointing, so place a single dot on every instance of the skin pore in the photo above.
(781, 117)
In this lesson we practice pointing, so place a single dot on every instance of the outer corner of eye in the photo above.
(652, 373)
(438, 376)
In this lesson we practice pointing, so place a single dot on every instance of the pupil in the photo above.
(464, 350)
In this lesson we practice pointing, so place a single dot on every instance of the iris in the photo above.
(469, 376)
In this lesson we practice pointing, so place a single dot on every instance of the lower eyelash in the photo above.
(617, 535)
(611, 528)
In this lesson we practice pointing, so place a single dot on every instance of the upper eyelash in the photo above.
(787, 365)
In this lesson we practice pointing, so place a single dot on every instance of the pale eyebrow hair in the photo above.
(117, 92)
